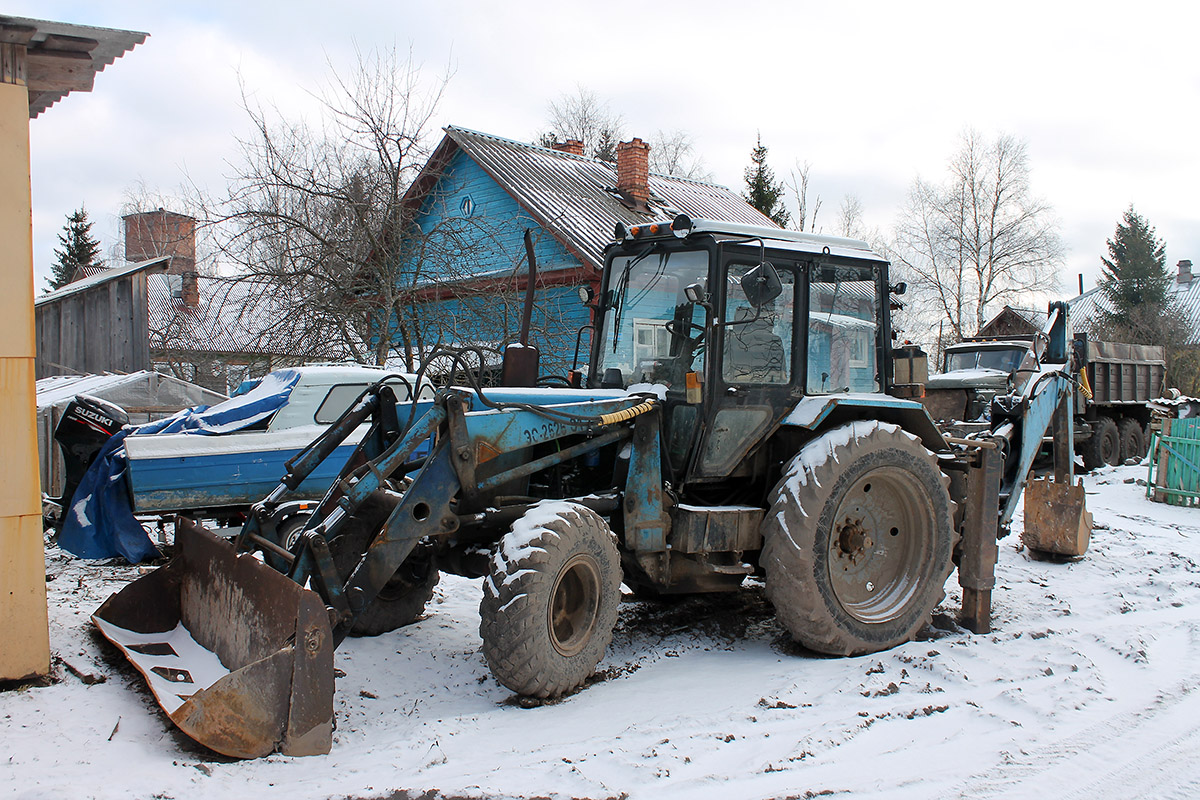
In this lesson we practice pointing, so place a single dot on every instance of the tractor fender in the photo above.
(824, 411)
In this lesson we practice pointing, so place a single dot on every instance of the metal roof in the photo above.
(1086, 308)
(232, 316)
(102, 276)
(68, 43)
(575, 197)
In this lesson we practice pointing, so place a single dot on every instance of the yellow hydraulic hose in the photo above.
(626, 414)
(1084, 386)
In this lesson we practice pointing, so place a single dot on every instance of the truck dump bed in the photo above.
(1125, 373)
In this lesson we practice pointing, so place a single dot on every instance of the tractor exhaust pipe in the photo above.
(238, 656)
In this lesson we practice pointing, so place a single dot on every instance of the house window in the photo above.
(467, 206)
(651, 340)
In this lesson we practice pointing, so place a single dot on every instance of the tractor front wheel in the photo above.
(550, 603)
(858, 541)
(403, 598)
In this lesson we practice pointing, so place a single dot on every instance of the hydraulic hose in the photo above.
(626, 414)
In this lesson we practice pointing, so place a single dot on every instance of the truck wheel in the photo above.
(1105, 445)
(1133, 439)
(858, 541)
(550, 603)
(403, 598)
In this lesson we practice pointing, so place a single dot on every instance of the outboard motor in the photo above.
(86, 424)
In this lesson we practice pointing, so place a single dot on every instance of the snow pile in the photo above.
(1087, 688)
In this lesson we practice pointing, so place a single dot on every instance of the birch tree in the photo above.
(979, 239)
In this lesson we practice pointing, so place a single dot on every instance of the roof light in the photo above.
(681, 226)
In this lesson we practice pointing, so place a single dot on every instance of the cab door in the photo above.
(753, 375)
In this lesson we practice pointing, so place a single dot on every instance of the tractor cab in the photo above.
(734, 325)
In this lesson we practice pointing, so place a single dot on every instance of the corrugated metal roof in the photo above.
(233, 316)
(102, 276)
(575, 197)
(1086, 308)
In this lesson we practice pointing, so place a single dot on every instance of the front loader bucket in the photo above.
(1056, 518)
(239, 656)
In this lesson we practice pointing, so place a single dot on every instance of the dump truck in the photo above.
(738, 416)
(1115, 383)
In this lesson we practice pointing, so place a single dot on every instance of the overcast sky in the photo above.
(871, 94)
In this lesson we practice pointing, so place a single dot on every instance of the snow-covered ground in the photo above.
(1087, 688)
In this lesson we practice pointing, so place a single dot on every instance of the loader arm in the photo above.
(455, 473)
(1042, 401)
(239, 653)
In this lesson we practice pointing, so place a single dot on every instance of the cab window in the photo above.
(758, 341)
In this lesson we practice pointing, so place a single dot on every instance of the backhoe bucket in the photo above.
(239, 656)
(1056, 519)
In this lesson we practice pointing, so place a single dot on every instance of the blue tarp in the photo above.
(99, 521)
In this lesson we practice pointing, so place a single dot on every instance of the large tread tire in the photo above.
(851, 572)
(1133, 439)
(1104, 447)
(402, 600)
(550, 603)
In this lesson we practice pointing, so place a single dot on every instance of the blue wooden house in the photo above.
(476, 197)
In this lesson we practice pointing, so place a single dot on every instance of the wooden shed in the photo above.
(98, 324)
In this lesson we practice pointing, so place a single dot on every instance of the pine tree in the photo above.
(762, 190)
(79, 249)
(1135, 273)
(1138, 287)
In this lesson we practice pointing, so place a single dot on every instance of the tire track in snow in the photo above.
(1149, 751)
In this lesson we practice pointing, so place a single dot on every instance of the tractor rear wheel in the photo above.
(1133, 439)
(858, 541)
(1105, 445)
(550, 603)
(403, 598)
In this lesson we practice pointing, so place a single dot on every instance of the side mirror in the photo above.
(898, 288)
(761, 285)
(694, 293)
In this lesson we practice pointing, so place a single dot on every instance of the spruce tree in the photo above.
(1135, 272)
(79, 249)
(762, 190)
(1138, 287)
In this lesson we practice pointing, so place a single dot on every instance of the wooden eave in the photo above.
(53, 59)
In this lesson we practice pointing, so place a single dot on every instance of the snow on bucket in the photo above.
(238, 656)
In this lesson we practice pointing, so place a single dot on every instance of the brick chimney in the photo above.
(150, 234)
(633, 170)
(1185, 271)
(190, 289)
(572, 146)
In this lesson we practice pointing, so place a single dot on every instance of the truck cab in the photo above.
(973, 373)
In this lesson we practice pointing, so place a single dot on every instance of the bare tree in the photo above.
(673, 153)
(584, 117)
(980, 238)
(320, 212)
(798, 183)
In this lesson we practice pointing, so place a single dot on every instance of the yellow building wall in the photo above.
(24, 632)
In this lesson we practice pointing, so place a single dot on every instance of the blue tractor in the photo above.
(739, 415)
